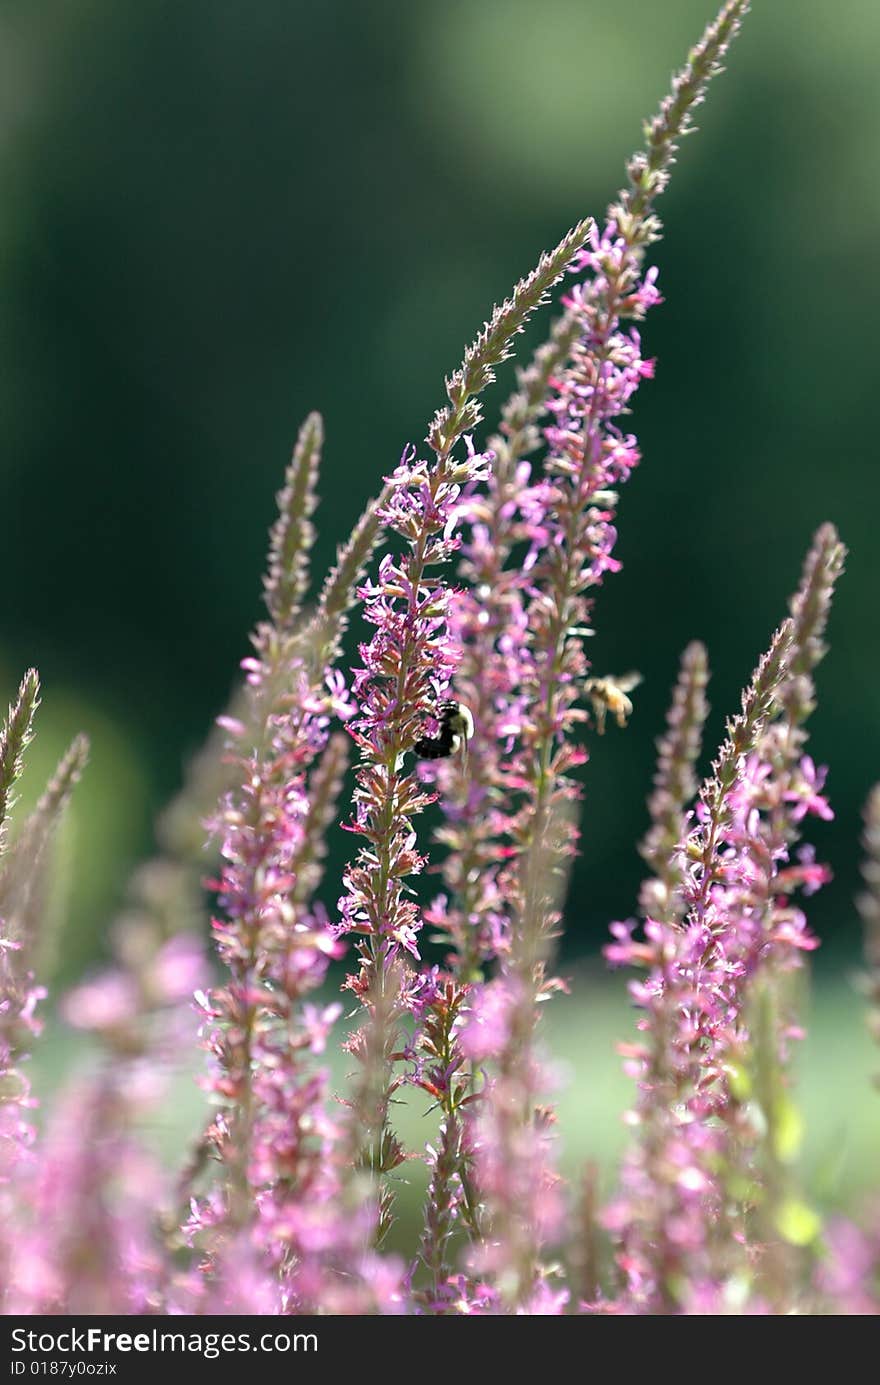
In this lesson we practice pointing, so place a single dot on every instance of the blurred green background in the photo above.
(217, 216)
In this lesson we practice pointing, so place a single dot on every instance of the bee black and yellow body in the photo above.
(455, 726)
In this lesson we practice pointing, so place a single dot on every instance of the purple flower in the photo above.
(805, 793)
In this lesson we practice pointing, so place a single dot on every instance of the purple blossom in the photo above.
(806, 793)
(406, 671)
(847, 1278)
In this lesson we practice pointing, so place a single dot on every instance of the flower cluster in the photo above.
(513, 1156)
(19, 993)
(405, 674)
(736, 877)
(272, 1129)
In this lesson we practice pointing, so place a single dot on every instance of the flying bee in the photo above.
(609, 694)
(455, 728)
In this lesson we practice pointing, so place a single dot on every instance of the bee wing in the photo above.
(627, 681)
(463, 752)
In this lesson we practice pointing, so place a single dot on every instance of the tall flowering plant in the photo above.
(726, 924)
(402, 686)
(475, 571)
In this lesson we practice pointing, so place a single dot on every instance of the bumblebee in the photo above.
(455, 726)
(609, 694)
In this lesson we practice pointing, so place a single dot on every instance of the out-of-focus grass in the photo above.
(835, 1068)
